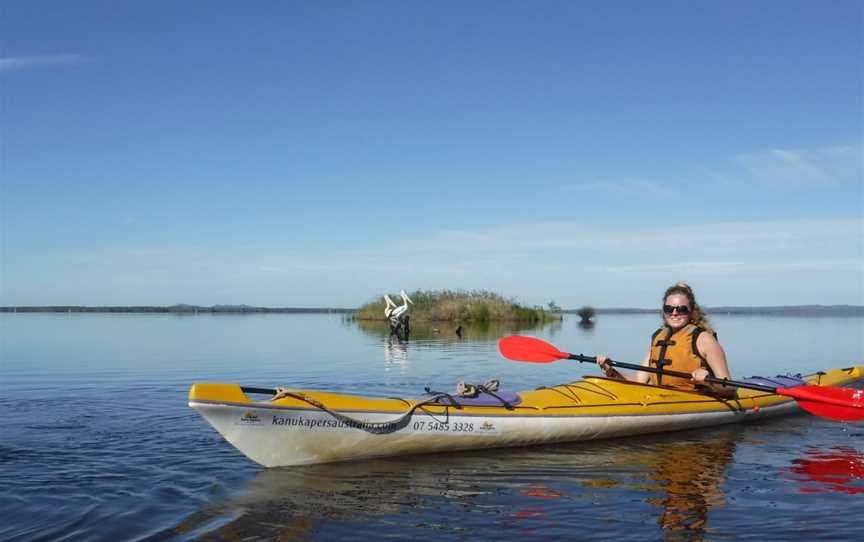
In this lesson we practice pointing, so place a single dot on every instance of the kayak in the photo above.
(301, 427)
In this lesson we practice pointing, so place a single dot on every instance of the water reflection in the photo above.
(395, 350)
(533, 489)
(586, 325)
(690, 475)
(446, 332)
(839, 469)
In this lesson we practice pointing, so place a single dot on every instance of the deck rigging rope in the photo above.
(376, 428)
(391, 426)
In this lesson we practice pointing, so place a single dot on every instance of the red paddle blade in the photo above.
(518, 348)
(840, 404)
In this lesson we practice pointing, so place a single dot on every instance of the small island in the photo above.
(477, 306)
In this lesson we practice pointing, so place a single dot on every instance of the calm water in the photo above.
(98, 443)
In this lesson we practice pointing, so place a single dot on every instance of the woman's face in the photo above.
(677, 311)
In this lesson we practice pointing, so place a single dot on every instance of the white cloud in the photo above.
(839, 164)
(556, 246)
(571, 262)
(738, 236)
(727, 268)
(831, 164)
(629, 187)
(21, 62)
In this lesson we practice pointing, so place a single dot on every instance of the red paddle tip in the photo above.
(840, 404)
(519, 348)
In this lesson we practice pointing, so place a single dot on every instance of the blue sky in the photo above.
(322, 153)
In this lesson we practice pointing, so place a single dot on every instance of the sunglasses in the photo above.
(681, 309)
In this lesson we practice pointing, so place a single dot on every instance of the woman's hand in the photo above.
(607, 369)
(699, 375)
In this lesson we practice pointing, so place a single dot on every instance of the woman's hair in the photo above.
(698, 316)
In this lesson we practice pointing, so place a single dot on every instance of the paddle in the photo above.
(841, 404)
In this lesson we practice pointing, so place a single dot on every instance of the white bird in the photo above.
(399, 311)
(390, 306)
(394, 311)
(405, 296)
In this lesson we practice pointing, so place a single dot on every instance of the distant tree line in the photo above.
(178, 309)
(790, 310)
(465, 306)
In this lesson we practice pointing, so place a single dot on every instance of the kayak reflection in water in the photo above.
(680, 480)
(685, 343)
(691, 475)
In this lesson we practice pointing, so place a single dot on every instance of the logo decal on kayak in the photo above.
(420, 424)
(320, 424)
(487, 427)
(250, 418)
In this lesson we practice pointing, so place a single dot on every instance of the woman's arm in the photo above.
(713, 353)
(637, 376)
(643, 377)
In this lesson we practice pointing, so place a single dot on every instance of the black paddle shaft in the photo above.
(722, 381)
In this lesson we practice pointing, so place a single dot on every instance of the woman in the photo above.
(685, 343)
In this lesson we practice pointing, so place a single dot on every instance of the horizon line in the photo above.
(251, 308)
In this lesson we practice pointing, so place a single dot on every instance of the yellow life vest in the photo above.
(676, 352)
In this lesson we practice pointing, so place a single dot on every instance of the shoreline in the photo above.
(776, 310)
(788, 310)
(174, 309)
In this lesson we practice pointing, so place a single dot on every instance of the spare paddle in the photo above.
(841, 404)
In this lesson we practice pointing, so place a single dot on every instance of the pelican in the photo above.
(394, 311)
(399, 311)
(390, 306)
